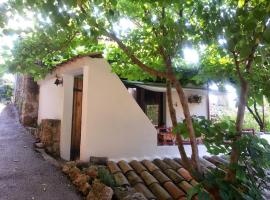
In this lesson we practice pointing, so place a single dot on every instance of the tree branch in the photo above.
(253, 114)
(256, 111)
(134, 59)
(237, 64)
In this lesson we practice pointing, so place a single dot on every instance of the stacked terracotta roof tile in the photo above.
(157, 179)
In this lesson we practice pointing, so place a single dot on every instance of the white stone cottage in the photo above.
(100, 116)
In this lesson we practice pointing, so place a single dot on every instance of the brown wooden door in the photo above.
(76, 119)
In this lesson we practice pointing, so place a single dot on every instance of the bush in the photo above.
(253, 165)
(6, 92)
(105, 177)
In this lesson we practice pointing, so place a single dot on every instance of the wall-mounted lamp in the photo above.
(195, 98)
(58, 81)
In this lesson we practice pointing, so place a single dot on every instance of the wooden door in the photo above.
(76, 118)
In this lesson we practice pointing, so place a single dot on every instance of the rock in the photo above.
(74, 172)
(50, 135)
(39, 145)
(67, 166)
(65, 169)
(100, 192)
(81, 164)
(128, 194)
(71, 164)
(98, 160)
(26, 99)
(84, 188)
(81, 179)
(92, 171)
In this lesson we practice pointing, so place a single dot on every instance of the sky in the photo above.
(9, 77)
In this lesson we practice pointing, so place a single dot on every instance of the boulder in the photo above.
(100, 192)
(74, 172)
(81, 179)
(84, 188)
(92, 171)
(67, 166)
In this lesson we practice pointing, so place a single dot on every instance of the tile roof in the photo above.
(91, 55)
(158, 179)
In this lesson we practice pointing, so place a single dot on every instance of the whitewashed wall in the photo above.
(50, 100)
(113, 125)
(198, 109)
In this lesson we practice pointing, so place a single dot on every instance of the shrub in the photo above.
(253, 165)
(105, 177)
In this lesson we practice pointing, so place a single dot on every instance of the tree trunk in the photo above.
(188, 122)
(179, 140)
(256, 116)
(239, 126)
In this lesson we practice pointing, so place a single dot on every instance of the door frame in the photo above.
(77, 100)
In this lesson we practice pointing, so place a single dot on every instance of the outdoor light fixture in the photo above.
(58, 81)
(195, 98)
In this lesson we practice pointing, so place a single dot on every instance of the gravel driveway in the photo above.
(24, 174)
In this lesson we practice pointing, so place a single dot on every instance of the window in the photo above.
(152, 111)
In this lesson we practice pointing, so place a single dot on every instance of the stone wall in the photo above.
(49, 132)
(26, 99)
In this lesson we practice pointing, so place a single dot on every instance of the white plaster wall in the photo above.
(198, 109)
(50, 100)
(66, 118)
(113, 124)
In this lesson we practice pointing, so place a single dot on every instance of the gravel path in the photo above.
(24, 174)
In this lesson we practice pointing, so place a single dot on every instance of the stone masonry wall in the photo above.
(26, 100)
(50, 135)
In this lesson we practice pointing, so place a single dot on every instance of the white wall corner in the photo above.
(66, 123)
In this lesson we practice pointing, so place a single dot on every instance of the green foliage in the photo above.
(155, 24)
(214, 134)
(254, 161)
(38, 54)
(251, 173)
(200, 191)
(6, 91)
(105, 177)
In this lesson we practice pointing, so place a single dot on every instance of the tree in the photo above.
(240, 33)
